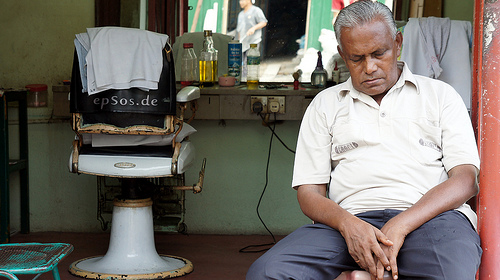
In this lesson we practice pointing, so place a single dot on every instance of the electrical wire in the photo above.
(246, 249)
(250, 248)
(274, 133)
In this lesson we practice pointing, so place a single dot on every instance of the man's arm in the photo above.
(451, 194)
(256, 27)
(362, 238)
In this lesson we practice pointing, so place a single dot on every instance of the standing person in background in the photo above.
(251, 20)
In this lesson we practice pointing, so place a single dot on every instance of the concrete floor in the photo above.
(213, 256)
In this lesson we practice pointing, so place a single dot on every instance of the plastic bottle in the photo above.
(319, 75)
(189, 65)
(208, 61)
(253, 64)
(336, 74)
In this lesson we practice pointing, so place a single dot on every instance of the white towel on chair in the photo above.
(122, 58)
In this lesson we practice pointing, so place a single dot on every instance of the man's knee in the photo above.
(447, 246)
(265, 268)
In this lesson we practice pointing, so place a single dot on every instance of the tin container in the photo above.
(234, 61)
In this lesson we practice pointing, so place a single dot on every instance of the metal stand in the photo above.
(132, 253)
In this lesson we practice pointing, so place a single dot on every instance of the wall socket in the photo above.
(258, 104)
(276, 104)
(267, 104)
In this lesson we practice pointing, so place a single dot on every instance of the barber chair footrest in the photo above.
(173, 267)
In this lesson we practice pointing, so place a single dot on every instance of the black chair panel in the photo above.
(134, 100)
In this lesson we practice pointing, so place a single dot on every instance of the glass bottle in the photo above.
(336, 74)
(253, 64)
(208, 61)
(189, 65)
(319, 75)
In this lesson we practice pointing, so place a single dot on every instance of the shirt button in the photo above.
(382, 114)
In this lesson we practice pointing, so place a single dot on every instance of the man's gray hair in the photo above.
(361, 12)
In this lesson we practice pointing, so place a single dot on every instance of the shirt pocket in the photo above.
(347, 142)
(425, 143)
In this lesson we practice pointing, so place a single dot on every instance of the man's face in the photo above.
(244, 3)
(370, 54)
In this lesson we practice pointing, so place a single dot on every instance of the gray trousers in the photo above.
(446, 247)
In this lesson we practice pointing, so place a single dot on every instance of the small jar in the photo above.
(37, 95)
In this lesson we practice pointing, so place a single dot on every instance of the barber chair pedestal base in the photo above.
(131, 253)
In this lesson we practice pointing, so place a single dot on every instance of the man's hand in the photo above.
(450, 194)
(366, 245)
(396, 234)
(250, 31)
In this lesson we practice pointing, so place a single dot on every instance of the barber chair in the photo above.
(129, 117)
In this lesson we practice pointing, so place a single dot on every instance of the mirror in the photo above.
(295, 31)
(133, 13)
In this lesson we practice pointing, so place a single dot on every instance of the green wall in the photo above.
(37, 47)
(459, 10)
(234, 179)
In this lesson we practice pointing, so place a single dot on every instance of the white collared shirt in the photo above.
(388, 156)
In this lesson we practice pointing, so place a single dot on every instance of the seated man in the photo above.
(385, 163)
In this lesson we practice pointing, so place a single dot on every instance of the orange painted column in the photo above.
(477, 60)
(488, 118)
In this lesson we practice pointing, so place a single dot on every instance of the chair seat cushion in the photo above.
(141, 161)
(132, 151)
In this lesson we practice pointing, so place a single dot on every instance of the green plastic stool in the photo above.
(32, 258)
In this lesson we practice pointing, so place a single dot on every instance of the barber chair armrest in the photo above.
(188, 94)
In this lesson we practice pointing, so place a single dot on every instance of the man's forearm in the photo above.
(451, 194)
(260, 25)
(318, 207)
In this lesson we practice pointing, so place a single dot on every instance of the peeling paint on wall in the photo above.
(491, 21)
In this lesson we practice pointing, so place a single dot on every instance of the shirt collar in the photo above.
(405, 77)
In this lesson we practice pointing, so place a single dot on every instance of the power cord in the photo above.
(274, 132)
(252, 248)
(247, 248)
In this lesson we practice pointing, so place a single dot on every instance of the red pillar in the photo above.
(487, 57)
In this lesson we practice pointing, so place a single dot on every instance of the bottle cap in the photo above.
(36, 87)
(207, 33)
(187, 45)
(319, 64)
(253, 45)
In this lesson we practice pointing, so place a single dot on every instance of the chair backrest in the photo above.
(127, 107)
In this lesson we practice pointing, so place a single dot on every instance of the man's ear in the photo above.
(340, 51)
(399, 42)
(342, 55)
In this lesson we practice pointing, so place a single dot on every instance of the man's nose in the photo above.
(370, 65)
